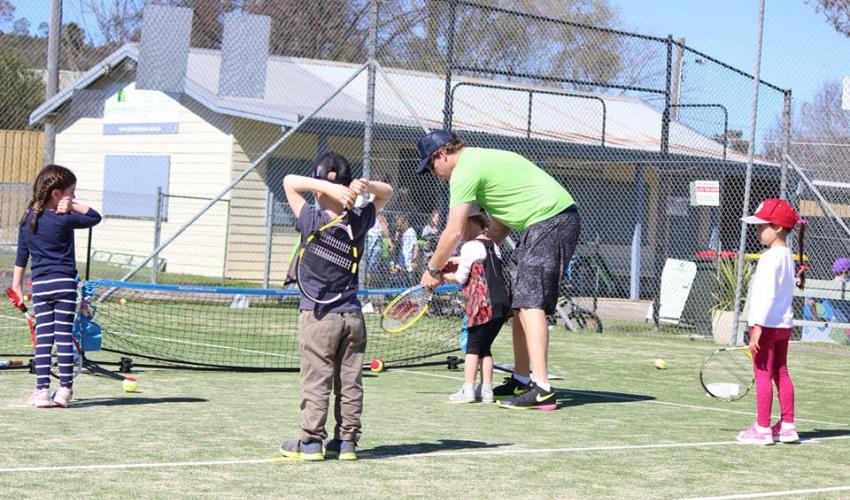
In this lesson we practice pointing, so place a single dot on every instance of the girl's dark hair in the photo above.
(51, 177)
(482, 220)
(801, 273)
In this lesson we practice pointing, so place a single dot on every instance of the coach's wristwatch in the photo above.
(433, 271)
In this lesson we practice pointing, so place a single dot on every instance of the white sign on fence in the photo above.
(705, 193)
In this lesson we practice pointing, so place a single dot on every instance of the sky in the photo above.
(801, 50)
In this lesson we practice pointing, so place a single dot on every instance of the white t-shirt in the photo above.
(773, 290)
(471, 252)
(408, 242)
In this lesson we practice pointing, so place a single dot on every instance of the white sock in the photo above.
(488, 387)
(787, 427)
(762, 429)
(520, 378)
(546, 387)
(467, 386)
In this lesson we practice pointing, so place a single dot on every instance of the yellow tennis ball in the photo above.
(131, 385)
(122, 301)
(660, 364)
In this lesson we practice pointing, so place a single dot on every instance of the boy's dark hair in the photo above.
(332, 167)
(51, 177)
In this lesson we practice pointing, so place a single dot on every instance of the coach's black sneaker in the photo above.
(509, 389)
(534, 398)
(310, 451)
(343, 450)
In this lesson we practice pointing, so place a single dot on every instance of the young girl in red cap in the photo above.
(770, 320)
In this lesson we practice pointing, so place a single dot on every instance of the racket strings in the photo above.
(727, 374)
(334, 258)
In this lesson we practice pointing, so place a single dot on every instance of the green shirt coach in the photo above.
(518, 195)
(508, 187)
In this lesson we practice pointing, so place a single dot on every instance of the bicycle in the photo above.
(571, 315)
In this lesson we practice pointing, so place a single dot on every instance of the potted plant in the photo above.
(722, 313)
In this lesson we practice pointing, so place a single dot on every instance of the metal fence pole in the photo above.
(742, 244)
(370, 89)
(267, 266)
(786, 146)
(450, 53)
(661, 231)
(157, 233)
(54, 34)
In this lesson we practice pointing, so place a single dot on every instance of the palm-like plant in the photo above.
(727, 280)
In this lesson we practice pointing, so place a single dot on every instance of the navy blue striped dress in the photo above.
(54, 287)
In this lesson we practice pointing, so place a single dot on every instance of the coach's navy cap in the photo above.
(429, 143)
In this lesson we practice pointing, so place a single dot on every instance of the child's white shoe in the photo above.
(465, 394)
(484, 393)
(754, 435)
(40, 398)
(63, 396)
(785, 433)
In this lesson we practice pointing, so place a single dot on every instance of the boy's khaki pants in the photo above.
(332, 350)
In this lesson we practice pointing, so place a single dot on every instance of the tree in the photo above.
(21, 91)
(73, 43)
(734, 141)
(7, 11)
(837, 13)
(21, 27)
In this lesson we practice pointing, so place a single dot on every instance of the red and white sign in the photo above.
(705, 193)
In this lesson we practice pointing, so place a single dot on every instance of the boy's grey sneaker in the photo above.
(342, 450)
(310, 451)
(484, 394)
(466, 394)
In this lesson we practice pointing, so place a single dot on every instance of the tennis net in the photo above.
(250, 329)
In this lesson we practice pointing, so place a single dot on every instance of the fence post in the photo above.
(267, 259)
(786, 146)
(88, 255)
(676, 84)
(370, 89)
(450, 54)
(53, 48)
(742, 244)
(661, 231)
(157, 232)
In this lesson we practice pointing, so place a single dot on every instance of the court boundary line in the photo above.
(783, 493)
(438, 454)
(638, 400)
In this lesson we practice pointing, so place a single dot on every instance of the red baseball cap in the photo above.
(774, 211)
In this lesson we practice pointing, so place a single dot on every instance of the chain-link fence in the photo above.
(646, 132)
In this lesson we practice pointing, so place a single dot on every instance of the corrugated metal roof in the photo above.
(295, 87)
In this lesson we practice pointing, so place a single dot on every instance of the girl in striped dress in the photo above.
(46, 236)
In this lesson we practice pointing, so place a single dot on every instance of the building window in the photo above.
(130, 184)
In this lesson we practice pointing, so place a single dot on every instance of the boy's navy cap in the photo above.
(429, 143)
(331, 162)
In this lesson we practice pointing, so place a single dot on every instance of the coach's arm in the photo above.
(450, 238)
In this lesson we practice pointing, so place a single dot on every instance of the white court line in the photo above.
(777, 493)
(365, 456)
(639, 400)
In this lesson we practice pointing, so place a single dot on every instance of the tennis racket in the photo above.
(406, 309)
(326, 266)
(19, 304)
(727, 374)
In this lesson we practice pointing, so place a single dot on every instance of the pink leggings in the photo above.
(770, 367)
